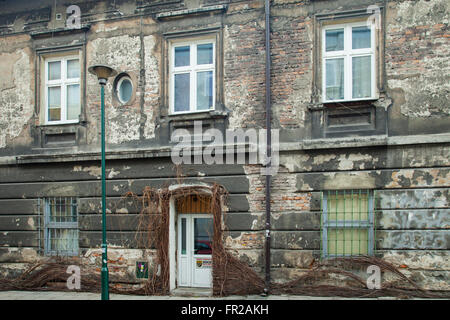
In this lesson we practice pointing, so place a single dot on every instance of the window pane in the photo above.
(73, 68)
(203, 231)
(349, 206)
(334, 73)
(348, 241)
(54, 70)
(61, 209)
(73, 102)
(204, 90)
(54, 103)
(125, 91)
(334, 40)
(183, 236)
(182, 87)
(182, 56)
(205, 53)
(63, 240)
(361, 73)
(360, 37)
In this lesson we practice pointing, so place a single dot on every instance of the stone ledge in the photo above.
(314, 144)
(170, 14)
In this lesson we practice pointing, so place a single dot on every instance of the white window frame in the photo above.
(192, 69)
(348, 53)
(63, 82)
(119, 83)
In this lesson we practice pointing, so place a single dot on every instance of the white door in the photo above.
(194, 250)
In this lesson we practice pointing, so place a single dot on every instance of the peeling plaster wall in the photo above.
(16, 96)
(244, 73)
(152, 84)
(122, 54)
(417, 67)
(411, 181)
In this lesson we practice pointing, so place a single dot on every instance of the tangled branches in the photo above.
(314, 281)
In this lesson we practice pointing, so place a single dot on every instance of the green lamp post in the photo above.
(103, 73)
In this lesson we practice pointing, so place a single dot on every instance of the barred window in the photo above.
(347, 223)
(61, 226)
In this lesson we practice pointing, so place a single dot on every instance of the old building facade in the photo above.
(359, 95)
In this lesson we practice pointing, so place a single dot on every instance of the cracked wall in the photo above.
(411, 179)
(16, 94)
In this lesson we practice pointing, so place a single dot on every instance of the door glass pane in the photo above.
(361, 73)
(204, 90)
(183, 236)
(182, 56)
(203, 231)
(73, 69)
(360, 37)
(73, 101)
(205, 53)
(334, 40)
(182, 87)
(334, 73)
(54, 70)
(54, 103)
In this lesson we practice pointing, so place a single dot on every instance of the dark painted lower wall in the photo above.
(412, 207)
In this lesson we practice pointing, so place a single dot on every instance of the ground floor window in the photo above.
(60, 226)
(347, 223)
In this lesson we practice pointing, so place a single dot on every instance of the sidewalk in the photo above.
(56, 295)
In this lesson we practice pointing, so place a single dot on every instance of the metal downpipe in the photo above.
(268, 145)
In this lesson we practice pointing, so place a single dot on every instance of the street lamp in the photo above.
(103, 73)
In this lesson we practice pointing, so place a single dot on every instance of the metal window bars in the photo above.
(60, 227)
(347, 223)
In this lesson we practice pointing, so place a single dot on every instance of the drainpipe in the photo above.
(268, 145)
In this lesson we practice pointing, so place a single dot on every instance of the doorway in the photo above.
(195, 250)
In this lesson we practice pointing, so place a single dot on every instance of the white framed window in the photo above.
(62, 90)
(124, 89)
(192, 76)
(348, 62)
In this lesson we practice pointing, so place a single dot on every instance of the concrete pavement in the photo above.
(63, 295)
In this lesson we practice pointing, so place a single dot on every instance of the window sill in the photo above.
(350, 103)
(198, 115)
(55, 124)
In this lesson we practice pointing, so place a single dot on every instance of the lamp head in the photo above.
(102, 72)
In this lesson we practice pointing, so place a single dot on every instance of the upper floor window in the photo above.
(124, 89)
(348, 62)
(192, 76)
(62, 90)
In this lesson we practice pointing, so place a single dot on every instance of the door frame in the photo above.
(190, 245)
(173, 244)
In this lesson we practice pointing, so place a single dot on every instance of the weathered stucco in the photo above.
(16, 95)
(420, 77)
(406, 164)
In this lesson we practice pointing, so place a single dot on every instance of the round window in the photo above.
(124, 89)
